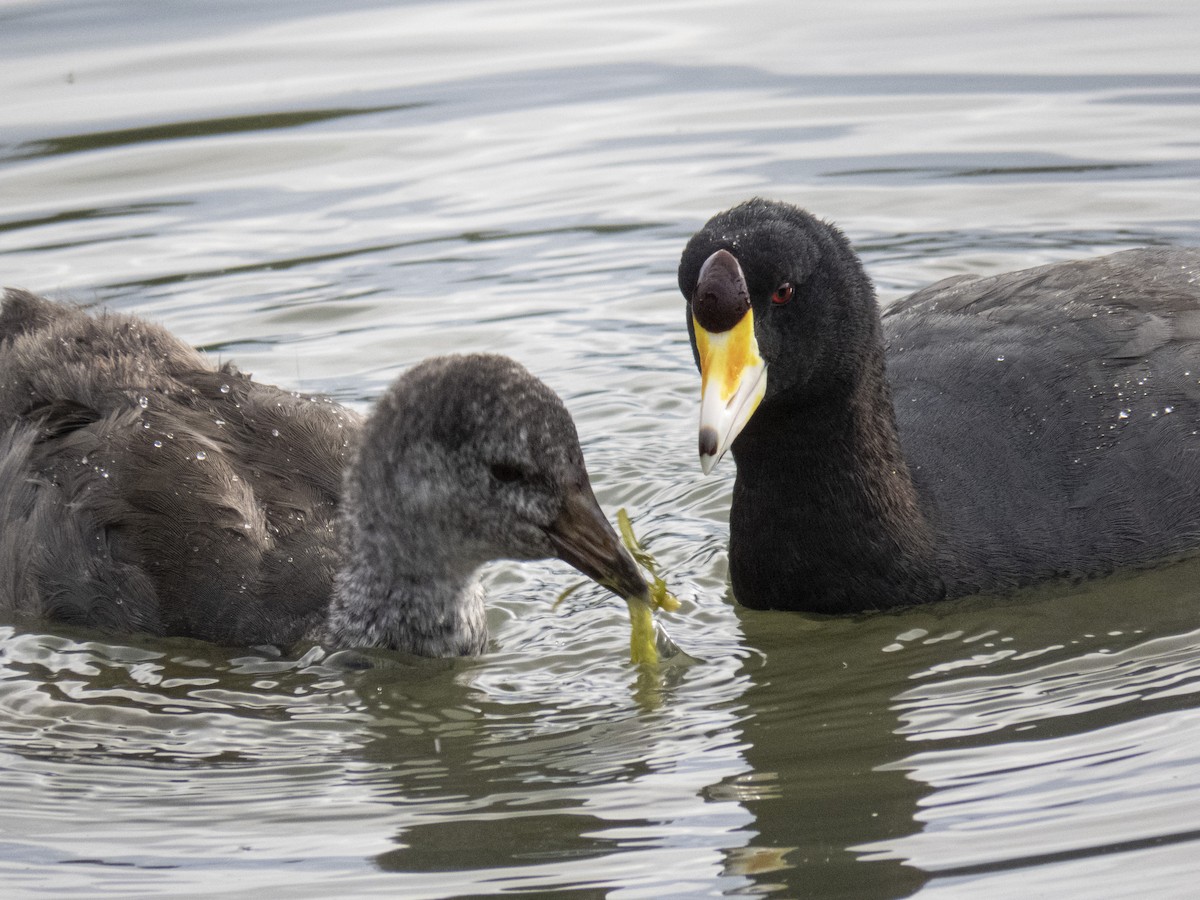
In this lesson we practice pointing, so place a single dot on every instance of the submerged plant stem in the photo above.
(643, 643)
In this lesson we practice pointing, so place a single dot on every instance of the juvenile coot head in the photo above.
(470, 458)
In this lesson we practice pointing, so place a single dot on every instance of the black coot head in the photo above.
(771, 289)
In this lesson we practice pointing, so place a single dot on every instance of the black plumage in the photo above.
(142, 489)
(983, 434)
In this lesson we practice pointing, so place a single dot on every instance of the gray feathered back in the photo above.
(123, 444)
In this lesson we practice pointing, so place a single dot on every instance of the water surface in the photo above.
(328, 193)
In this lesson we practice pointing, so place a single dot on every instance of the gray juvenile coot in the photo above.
(985, 434)
(142, 489)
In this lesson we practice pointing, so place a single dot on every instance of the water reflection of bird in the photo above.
(985, 433)
(142, 489)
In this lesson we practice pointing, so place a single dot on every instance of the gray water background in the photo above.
(326, 193)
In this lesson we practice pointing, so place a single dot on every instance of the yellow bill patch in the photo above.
(726, 355)
(733, 382)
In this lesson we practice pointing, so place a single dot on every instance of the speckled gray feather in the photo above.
(985, 433)
(419, 465)
(142, 489)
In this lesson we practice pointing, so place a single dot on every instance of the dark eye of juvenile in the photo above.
(506, 472)
(783, 293)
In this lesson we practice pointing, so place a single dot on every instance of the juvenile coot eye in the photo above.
(506, 473)
(783, 293)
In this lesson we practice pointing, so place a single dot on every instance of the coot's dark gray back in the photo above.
(1064, 402)
(125, 455)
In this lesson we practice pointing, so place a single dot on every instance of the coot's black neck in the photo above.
(825, 517)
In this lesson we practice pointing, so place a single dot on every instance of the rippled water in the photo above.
(328, 193)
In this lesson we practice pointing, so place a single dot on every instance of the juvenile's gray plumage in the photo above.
(141, 489)
(983, 434)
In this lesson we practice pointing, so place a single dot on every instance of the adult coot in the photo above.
(986, 433)
(142, 489)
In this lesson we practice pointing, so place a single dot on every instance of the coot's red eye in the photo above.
(783, 293)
